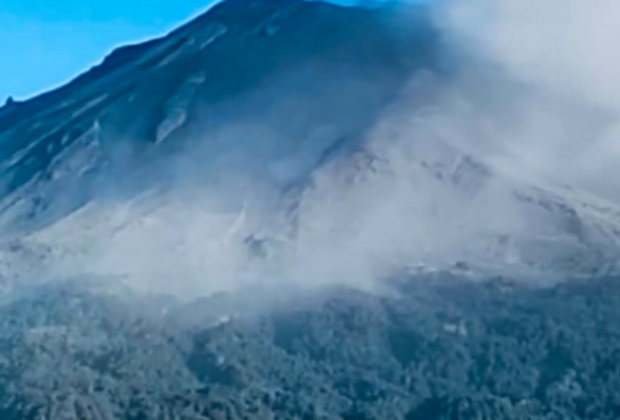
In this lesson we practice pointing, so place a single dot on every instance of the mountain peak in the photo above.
(224, 78)
(258, 102)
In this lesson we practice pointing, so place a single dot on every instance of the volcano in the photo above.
(290, 126)
(152, 209)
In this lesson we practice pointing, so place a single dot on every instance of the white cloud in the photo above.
(563, 54)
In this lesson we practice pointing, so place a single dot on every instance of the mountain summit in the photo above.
(300, 133)
(280, 71)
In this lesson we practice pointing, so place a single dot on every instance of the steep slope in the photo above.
(440, 199)
(253, 83)
(265, 148)
(279, 140)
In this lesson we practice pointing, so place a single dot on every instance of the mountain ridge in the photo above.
(282, 122)
(137, 126)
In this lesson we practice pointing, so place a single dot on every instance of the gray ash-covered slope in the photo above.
(440, 349)
(280, 105)
(245, 85)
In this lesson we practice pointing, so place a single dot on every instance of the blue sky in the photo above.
(45, 43)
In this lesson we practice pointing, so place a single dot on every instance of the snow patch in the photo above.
(81, 156)
(177, 105)
(215, 32)
(89, 105)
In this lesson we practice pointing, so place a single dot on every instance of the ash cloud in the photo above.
(564, 121)
(533, 100)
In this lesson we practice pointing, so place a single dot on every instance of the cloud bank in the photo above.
(565, 122)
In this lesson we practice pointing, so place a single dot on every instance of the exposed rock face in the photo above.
(9, 101)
